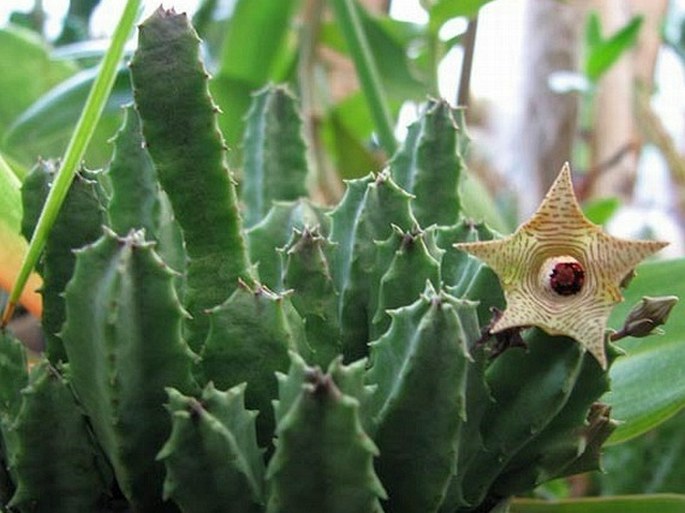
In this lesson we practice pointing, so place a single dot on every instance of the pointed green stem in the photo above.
(77, 146)
(350, 24)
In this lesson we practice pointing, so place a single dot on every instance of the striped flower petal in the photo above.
(560, 272)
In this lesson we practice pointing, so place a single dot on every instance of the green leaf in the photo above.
(646, 386)
(212, 460)
(389, 40)
(348, 17)
(26, 72)
(183, 138)
(666, 503)
(346, 133)
(593, 30)
(248, 62)
(81, 136)
(13, 246)
(656, 461)
(603, 53)
(444, 10)
(600, 210)
(45, 127)
(478, 204)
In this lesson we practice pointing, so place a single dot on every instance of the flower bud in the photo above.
(647, 315)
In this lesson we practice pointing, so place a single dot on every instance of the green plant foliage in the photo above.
(430, 161)
(189, 154)
(421, 359)
(68, 473)
(79, 223)
(599, 211)
(73, 155)
(275, 168)
(13, 244)
(645, 388)
(441, 11)
(601, 52)
(247, 63)
(656, 461)
(13, 379)
(27, 72)
(366, 214)
(135, 191)
(45, 126)
(632, 504)
(265, 239)
(122, 337)
(319, 428)
(249, 339)
(212, 460)
(307, 274)
(521, 408)
(388, 40)
(75, 26)
(358, 373)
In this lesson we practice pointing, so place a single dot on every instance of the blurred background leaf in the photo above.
(27, 71)
(636, 504)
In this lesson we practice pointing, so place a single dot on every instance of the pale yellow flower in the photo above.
(560, 272)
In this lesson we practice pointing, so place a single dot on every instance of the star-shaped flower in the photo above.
(561, 272)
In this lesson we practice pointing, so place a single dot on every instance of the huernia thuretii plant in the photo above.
(315, 359)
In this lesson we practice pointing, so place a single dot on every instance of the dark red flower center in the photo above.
(567, 278)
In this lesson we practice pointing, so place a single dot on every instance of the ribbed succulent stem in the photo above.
(78, 223)
(366, 214)
(271, 234)
(135, 190)
(307, 273)
(249, 339)
(430, 163)
(179, 121)
(69, 473)
(323, 459)
(213, 464)
(421, 359)
(123, 339)
(275, 165)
